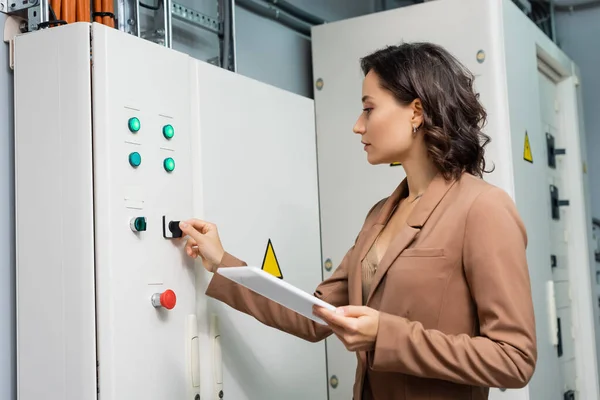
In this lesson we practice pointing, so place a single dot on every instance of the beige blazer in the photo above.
(453, 291)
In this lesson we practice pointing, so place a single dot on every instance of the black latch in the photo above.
(552, 151)
(559, 348)
(556, 203)
(569, 395)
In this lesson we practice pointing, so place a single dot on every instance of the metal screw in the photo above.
(328, 264)
(197, 397)
(480, 56)
(333, 381)
(319, 84)
(221, 394)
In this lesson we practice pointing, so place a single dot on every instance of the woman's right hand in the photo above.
(203, 240)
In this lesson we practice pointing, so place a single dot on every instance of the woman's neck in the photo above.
(419, 175)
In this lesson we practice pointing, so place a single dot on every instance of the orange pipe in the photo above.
(83, 10)
(108, 6)
(98, 8)
(56, 7)
(68, 9)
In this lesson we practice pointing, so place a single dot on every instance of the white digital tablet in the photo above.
(276, 289)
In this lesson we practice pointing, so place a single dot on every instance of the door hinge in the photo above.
(13, 26)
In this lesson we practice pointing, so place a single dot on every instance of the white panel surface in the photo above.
(245, 158)
(143, 352)
(537, 107)
(54, 221)
(532, 191)
(8, 368)
(260, 182)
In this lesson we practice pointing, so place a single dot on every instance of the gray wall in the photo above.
(578, 35)
(7, 269)
(273, 54)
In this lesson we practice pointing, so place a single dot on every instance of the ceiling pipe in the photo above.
(297, 12)
(268, 11)
(581, 6)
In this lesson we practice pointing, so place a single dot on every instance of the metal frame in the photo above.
(35, 11)
(197, 19)
(10, 6)
(37, 15)
(164, 15)
(125, 22)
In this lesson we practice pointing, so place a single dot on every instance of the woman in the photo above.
(434, 297)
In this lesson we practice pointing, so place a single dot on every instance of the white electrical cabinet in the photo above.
(116, 139)
(531, 91)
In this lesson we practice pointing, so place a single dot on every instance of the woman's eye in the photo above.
(367, 110)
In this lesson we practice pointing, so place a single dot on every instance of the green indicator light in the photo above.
(168, 131)
(135, 159)
(169, 164)
(140, 224)
(134, 124)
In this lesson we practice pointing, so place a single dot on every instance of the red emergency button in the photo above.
(166, 299)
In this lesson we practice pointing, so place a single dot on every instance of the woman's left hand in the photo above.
(355, 326)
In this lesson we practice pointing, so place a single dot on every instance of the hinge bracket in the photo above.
(13, 26)
(13, 6)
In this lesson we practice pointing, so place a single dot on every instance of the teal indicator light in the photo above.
(169, 164)
(135, 159)
(134, 124)
(168, 131)
(138, 224)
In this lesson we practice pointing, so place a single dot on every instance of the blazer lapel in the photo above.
(367, 239)
(431, 198)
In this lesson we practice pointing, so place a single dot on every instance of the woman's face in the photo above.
(385, 126)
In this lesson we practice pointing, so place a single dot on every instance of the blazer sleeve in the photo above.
(504, 353)
(333, 290)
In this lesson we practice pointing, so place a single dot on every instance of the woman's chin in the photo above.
(374, 160)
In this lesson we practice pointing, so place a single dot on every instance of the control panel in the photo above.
(143, 189)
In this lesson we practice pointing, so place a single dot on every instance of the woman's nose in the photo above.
(359, 127)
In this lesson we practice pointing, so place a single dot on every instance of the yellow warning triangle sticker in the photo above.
(527, 156)
(270, 263)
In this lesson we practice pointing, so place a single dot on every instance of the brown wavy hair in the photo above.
(453, 117)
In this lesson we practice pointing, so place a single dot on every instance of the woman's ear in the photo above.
(417, 107)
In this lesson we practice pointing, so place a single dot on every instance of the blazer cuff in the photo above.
(392, 332)
(215, 287)
(230, 261)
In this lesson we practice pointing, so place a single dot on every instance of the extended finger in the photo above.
(201, 226)
(333, 318)
(353, 311)
(191, 231)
